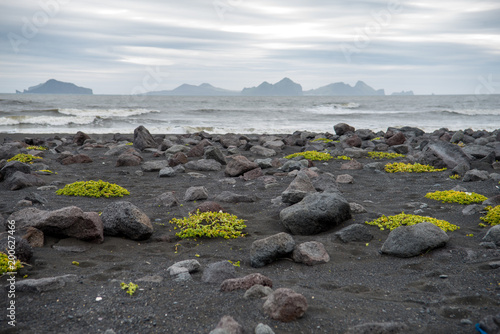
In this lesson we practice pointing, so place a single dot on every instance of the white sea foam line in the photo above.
(45, 120)
(106, 113)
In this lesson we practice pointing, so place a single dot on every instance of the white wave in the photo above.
(45, 120)
(106, 113)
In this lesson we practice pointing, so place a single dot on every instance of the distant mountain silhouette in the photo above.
(53, 86)
(342, 89)
(410, 92)
(204, 89)
(285, 87)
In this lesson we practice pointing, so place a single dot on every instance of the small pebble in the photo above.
(443, 276)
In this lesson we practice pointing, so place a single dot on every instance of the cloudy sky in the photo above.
(127, 47)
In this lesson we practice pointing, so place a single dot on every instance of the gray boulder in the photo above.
(408, 241)
(23, 249)
(245, 283)
(310, 253)
(214, 153)
(124, 218)
(343, 128)
(167, 200)
(154, 166)
(204, 165)
(167, 172)
(257, 291)
(227, 325)
(143, 139)
(493, 235)
(45, 284)
(442, 154)
(298, 189)
(355, 232)
(195, 194)
(20, 180)
(12, 167)
(239, 165)
(268, 250)
(317, 212)
(230, 197)
(66, 222)
(285, 305)
(262, 151)
(478, 151)
(475, 175)
(218, 272)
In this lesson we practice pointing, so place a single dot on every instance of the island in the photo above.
(53, 86)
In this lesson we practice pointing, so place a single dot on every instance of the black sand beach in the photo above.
(445, 290)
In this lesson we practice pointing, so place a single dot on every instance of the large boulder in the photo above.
(442, 154)
(245, 283)
(268, 250)
(408, 241)
(76, 159)
(311, 253)
(80, 138)
(129, 158)
(285, 305)
(143, 139)
(355, 232)
(262, 151)
(125, 219)
(214, 153)
(239, 165)
(493, 235)
(195, 194)
(66, 222)
(13, 166)
(20, 180)
(218, 272)
(342, 129)
(204, 165)
(317, 212)
(298, 189)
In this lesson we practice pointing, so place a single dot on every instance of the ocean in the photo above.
(94, 114)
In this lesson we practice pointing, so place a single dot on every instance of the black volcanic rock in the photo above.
(53, 86)
(342, 89)
(285, 87)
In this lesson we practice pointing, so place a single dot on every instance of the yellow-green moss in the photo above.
(385, 155)
(454, 177)
(8, 267)
(93, 189)
(401, 167)
(453, 196)
(377, 138)
(129, 288)
(38, 148)
(129, 144)
(323, 140)
(493, 215)
(342, 157)
(25, 158)
(393, 222)
(311, 155)
(210, 225)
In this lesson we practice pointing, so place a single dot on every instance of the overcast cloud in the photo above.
(123, 47)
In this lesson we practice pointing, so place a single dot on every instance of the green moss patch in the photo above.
(311, 155)
(37, 148)
(210, 225)
(7, 266)
(25, 158)
(401, 167)
(452, 196)
(93, 189)
(493, 215)
(396, 221)
(323, 140)
(385, 155)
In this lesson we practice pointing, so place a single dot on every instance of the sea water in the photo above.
(36, 113)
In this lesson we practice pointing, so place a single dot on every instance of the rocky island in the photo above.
(53, 86)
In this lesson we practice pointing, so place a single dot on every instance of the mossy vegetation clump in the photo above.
(492, 216)
(24, 158)
(311, 155)
(323, 140)
(210, 225)
(401, 219)
(37, 148)
(453, 196)
(401, 167)
(93, 189)
(384, 155)
(7, 266)
(342, 157)
(129, 288)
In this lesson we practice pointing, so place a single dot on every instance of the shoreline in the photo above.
(445, 290)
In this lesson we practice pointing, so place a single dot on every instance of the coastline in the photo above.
(444, 290)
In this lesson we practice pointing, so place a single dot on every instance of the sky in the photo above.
(130, 47)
